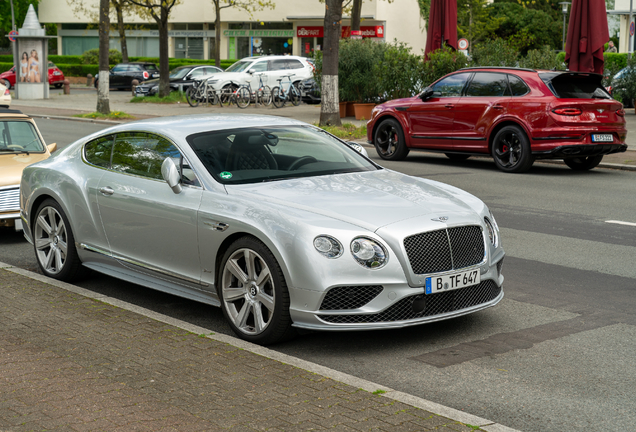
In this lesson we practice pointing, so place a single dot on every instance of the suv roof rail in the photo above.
(498, 67)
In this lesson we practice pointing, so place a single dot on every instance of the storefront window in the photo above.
(259, 38)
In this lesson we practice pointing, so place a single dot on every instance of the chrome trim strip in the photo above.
(10, 187)
(10, 215)
(142, 265)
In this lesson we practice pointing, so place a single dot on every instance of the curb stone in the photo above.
(435, 408)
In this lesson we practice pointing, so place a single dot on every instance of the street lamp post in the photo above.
(564, 9)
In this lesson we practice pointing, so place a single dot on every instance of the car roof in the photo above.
(182, 126)
(272, 57)
(13, 113)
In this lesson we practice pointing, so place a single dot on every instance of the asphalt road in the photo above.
(557, 354)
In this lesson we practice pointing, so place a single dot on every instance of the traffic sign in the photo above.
(462, 44)
(14, 33)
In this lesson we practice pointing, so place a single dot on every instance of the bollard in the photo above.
(89, 80)
(67, 87)
(135, 83)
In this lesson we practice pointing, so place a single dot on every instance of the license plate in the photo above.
(452, 281)
(602, 138)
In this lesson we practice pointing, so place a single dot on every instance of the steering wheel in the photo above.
(304, 160)
(15, 146)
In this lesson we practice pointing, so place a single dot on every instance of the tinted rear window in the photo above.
(575, 86)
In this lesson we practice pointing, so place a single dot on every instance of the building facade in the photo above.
(291, 27)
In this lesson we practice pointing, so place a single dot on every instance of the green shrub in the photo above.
(442, 62)
(399, 72)
(543, 58)
(5, 66)
(91, 57)
(66, 59)
(496, 52)
(356, 80)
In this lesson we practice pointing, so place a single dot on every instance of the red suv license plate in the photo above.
(602, 138)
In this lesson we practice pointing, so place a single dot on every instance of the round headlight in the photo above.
(328, 246)
(492, 233)
(369, 253)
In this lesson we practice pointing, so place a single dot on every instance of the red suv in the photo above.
(515, 115)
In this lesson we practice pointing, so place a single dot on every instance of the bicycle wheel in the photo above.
(266, 96)
(277, 99)
(294, 95)
(211, 96)
(243, 97)
(191, 96)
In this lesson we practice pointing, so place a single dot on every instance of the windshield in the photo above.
(19, 136)
(180, 72)
(253, 155)
(239, 66)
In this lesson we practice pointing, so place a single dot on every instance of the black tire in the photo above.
(511, 150)
(190, 96)
(53, 240)
(457, 156)
(58, 85)
(266, 96)
(294, 95)
(389, 140)
(277, 100)
(243, 301)
(242, 97)
(6, 83)
(583, 163)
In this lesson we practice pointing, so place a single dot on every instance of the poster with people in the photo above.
(30, 66)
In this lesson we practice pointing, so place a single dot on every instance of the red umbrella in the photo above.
(442, 25)
(587, 34)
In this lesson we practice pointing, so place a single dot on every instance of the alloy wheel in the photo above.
(51, 240)
(387, 139)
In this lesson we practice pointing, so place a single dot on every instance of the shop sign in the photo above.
(365, 31)
(183, 33)
(259, 33)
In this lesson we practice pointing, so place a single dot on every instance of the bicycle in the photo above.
(280, 95)
(200, 91)
(262, 95)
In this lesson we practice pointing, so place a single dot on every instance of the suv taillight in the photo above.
(146, 75)
(567, 111)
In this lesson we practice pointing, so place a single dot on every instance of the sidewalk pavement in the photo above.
(75, 360)
(83, 101)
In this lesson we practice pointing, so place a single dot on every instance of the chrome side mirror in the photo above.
(170, 174)
(357, 147)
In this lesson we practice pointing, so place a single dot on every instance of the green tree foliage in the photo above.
(20, 8)
(356, 61)
(542, 58)
(475, 23)
(399, 72)
(441, 62)
(496, 52)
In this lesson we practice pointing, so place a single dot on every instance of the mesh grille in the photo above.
(10, 199)
(349, 297)
(421, 305)
(445, 249)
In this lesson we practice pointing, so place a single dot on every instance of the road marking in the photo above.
(621, 223)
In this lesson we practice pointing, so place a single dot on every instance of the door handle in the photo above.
(107, 190)
(497, 106)
(449, 106)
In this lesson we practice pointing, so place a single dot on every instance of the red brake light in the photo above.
(567, 111)
(620, 112)
(146, 75)
(7, 93)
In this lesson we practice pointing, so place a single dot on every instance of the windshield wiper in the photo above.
(14, 150)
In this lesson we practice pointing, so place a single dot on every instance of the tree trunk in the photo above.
(164, 66)
(103, 103)
(329, 107)
(217, 34)
(355, 14)
(122, 32)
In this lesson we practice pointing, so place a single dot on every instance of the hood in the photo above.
(11, 166)
(405, 102)
(369, 200)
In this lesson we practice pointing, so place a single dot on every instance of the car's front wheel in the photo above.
(389, 140)
(253, 293)
(583, 163)
(54, 243)
(6, 83)
(511, 150)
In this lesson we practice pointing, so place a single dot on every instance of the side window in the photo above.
(488, 84)
(134, 68)
(259, 66)
(142, 154)
(119, 68)
(450, 86)
(294, 64)
(98, 152)
(197, 73)
(278, 65)
(517, 86)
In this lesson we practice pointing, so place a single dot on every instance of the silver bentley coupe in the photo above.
(278, 222)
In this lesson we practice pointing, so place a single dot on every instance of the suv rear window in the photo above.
(575, 85)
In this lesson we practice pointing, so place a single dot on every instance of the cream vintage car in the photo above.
(21, 144)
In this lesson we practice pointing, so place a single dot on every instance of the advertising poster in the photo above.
(30, 68)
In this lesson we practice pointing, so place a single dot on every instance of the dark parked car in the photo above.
(123, 74)
(181, 77)
(309, 91)
(617, 87)
(516, 115)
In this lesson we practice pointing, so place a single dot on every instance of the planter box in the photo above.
(343, 109)
(350, 109)
(363, 110)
